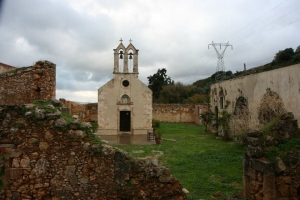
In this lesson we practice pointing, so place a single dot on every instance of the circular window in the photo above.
(125, 83)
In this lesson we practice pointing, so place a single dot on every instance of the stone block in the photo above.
(75, 125)
(252, 173)
(254, 133)
(261, 166)
(253, 141)
(283, 190)
(55, 102)
(54, 115)
(84, 180)
(15, 162)
(269, 186)
(14, 153)
(48, 136)
(255, 152)
(60, 122)
(284, 180)
(15, 173)
(43, 146)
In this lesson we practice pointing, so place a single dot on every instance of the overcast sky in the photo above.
(79, 37)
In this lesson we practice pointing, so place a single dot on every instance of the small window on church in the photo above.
(125, 100)
(125, 83)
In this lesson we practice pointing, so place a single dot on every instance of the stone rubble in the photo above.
(50, 158)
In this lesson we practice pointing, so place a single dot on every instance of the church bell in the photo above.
(121, 54)
(130, 55)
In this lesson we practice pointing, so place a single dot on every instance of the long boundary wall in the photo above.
(27, 84)
(284, 81)
(178, 112)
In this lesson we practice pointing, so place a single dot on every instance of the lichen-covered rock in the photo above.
(39, 113)
(61, 123)
(55, 102)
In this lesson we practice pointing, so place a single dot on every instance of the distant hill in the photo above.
(283, 58)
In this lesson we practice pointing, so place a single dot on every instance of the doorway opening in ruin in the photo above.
(125, 120)
(240, 118)
(217, 117)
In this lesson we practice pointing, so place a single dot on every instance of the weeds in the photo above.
(202, 164)
(286, 146)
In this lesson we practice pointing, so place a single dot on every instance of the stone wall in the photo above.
(268, 180)
(249, 92)
(6, 68)
(84, 112)
(163, 112)
(27, 84)
(47, 157)
(178, 112)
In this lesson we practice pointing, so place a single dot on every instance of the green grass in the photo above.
(202, 164)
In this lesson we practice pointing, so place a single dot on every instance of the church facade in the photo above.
(124, 103)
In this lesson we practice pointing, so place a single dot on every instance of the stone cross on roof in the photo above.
(121, 40)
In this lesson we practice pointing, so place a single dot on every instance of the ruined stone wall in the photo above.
(264, 179)
(285, 82)
(177, 112)
(26, 84)
(84, 112)
(47, 157)
(6, 68)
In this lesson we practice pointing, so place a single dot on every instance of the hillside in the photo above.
(281, 59)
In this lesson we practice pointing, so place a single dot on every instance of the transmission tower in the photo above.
(220, 72)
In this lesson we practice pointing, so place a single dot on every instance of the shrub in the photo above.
(155, 123)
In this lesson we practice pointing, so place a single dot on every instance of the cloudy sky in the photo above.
(79, 37)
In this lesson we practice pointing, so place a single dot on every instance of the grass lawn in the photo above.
(202, 164)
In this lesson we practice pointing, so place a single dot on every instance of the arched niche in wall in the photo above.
(125, 99)
(241, 106)
(271, 106)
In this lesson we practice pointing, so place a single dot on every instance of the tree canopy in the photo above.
(157, 81)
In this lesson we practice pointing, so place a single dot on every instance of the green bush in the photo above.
(155, 123)
(296, 58)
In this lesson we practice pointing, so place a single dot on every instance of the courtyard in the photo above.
(205, 165)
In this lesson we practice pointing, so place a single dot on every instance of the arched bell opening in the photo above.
(130, 61)
(121, 60)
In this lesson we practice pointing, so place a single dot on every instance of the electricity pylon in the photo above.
(220, 72)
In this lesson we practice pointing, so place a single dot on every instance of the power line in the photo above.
(198, 60)
(267, 25)
(257, 19)
(269, 33)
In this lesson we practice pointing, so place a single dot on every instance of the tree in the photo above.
(157, 81)
(207, 118)
(197, 98)
(298, 49)
(283, 56)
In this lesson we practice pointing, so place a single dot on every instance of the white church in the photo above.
(124, 102)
